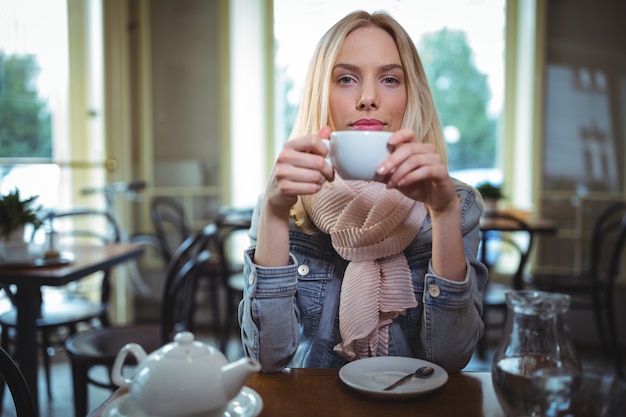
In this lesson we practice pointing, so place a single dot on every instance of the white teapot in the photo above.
(182, 378)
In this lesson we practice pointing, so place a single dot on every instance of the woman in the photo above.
(323, 287)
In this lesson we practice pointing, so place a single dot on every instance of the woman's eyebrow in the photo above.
(349, 67)
(354, 68)
(389, 67)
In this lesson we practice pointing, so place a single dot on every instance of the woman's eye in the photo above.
(390, 80)
(345, 80)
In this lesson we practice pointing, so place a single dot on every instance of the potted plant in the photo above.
(15, 213)
(491, 193)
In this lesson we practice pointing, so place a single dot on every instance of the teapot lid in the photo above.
(185, 347)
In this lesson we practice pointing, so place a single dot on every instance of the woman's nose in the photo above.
(368, 99)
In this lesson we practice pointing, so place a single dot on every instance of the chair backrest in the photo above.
(83, 224)
(229, 222)
(22, 397)
(179, 302)
(607, 243)
(514, 235)
(89, 226)
(189, 263)
(170, 223)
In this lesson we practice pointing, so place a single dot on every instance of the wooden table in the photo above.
(87, 260)
(511, 221)
(320, 393)
(536, 223)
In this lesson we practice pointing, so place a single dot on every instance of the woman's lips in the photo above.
(368, 124)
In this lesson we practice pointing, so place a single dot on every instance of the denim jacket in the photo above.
(289, 315)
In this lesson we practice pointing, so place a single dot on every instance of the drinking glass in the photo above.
(592, 393)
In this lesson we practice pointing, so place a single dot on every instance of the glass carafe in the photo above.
(535, 339)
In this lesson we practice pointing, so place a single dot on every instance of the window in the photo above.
(467, 72)
(49, 119)
(33, 94)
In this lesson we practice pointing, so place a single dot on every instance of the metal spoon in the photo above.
(423, 372)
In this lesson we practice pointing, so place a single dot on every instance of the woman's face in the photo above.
(367, 86)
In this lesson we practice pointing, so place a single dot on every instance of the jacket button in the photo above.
(303, 270)
(434, 290)
(251, 279)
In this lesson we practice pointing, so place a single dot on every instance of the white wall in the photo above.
(249, 116)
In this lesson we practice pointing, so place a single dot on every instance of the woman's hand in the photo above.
(300, 169)
(416, 170)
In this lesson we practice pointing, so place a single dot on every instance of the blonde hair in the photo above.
(420, 114)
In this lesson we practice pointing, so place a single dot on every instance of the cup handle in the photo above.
(327, 143)
(116, 372)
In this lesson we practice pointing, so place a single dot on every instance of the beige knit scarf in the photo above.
(370, 226)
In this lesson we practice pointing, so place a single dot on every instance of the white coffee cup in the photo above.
(355, 154)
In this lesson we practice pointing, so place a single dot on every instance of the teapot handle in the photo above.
(116, 371)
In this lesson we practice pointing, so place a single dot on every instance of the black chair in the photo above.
(594, 288)
(509, 243)
(229, 222)
(99, 347)
(170, 223)
(11, 375)
(64, 308)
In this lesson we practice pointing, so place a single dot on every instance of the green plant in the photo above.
(15, 213)
(489, 190)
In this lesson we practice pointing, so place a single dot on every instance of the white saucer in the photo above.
(371, 375)
(247, 403)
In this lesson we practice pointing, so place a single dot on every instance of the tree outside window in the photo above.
(25, 120)
(461, 94)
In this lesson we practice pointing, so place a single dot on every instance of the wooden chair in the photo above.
(170, 224)
(99, 347)
(510, 243)
(594, 288)
(63, 308)
(11, 375)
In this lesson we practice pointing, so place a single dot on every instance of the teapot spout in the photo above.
(234, 375)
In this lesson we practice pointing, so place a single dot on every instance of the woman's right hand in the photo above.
(300, 169)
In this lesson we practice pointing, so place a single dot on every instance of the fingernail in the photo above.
(381, 170)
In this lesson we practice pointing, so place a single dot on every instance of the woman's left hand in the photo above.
(417, 170)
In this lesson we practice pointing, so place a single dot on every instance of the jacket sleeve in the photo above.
(452, 320)
(268, 315)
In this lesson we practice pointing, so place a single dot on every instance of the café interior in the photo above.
(182, 131)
